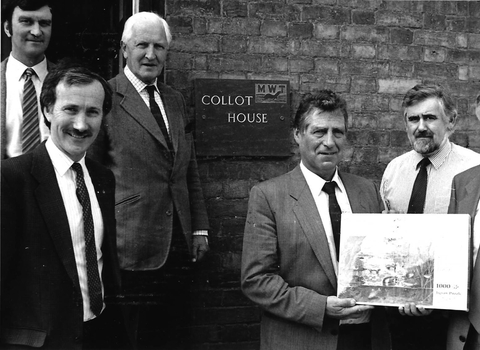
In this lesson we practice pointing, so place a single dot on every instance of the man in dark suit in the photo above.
(58, 252)
(28, 23)
(289, 260)
(464, 328)
(146, 141)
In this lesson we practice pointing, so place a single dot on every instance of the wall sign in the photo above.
(242, 117)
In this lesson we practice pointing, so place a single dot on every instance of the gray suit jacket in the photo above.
(3, 105)
(149, 187)
(464, 200)
(286, 263)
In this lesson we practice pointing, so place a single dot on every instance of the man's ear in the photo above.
(6, 28)
(296, 135)
(123, 47)
(452, 121)
(47, 114)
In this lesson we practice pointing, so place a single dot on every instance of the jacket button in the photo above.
(78, 339)
(168, 212)
(462, 338)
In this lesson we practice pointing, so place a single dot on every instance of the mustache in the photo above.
(77, 133)
(423, 134)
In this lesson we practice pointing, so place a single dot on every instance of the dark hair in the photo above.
(324, 100)
(26, 5)
(71, 75)
(420, 93)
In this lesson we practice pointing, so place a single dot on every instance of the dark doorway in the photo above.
(89, 31)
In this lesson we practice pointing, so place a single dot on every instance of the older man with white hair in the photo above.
(147, 142)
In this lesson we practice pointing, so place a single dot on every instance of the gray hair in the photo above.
(144, 17)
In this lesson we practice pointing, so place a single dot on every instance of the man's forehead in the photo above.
(43, 12)
(320, 118)
(75, 90)
(431, 105)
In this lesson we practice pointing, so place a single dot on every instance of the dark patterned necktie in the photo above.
(158, 116)
(30, 129)
(419, 191)
(335, 213)
(93, 277)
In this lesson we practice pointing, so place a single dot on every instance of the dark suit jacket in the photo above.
(149, 187)
(3, 105)
(286, 263)
(41, 301)
(464, 200)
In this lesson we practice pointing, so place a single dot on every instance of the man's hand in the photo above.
(410, 309)
(200, 247)
(345, 308)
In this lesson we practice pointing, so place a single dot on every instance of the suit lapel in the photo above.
(354, 194)
(134, 105)
(3, 107)
(171, 110)
(469, 200)
(98, 184)
(309, 219)
(104, 191)
(468, 204)
(51, 205)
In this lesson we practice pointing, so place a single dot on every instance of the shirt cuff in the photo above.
(200, 233)
(203, 233)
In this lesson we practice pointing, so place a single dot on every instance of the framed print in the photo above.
(392, 259)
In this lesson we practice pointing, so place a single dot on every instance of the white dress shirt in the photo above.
(315, 183)
(399, 177)
(15, 80)
(66, 178)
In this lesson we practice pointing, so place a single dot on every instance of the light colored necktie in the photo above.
(30, 128)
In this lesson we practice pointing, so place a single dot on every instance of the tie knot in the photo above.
(329, 187)
(78, 169)
(29, 72)
(151, 90)
(423, 163)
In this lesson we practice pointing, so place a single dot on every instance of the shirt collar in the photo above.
(316, 183)
(438, 158)
(137, 83)
(61, 162)
(18, 68)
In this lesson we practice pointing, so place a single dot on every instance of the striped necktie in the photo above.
(30, 124)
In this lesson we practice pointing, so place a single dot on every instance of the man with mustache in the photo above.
(28, 23)
(58, 249)
(430, 117)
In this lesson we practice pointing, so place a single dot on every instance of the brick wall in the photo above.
(370, 51)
